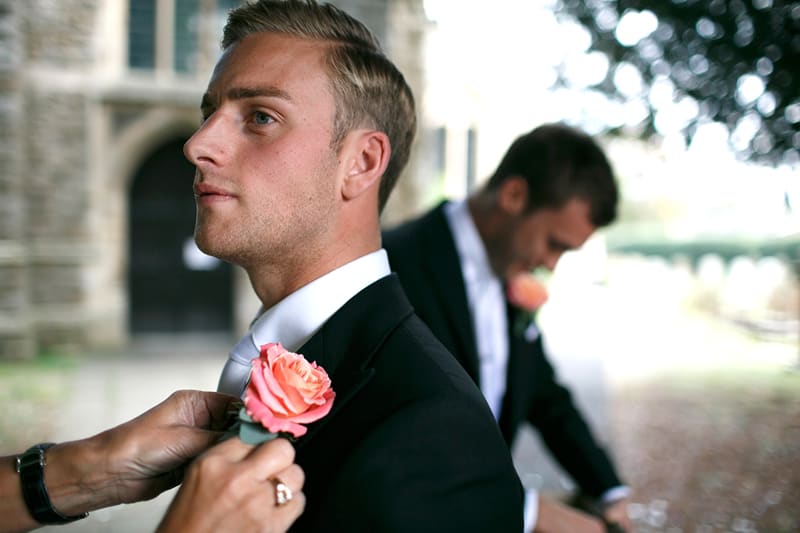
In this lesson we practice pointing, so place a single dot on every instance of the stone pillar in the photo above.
(405, 44)
(57, 59)
(16, 331)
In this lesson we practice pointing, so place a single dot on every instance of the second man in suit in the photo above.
(553, 188)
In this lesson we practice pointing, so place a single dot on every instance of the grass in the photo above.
(32, 392)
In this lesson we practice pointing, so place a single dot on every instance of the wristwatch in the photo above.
(30, 466)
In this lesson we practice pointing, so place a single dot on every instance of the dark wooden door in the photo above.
(173, 287)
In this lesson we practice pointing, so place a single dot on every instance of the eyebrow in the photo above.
(241, 93)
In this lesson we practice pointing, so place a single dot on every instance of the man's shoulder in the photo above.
(406, 232)
(423, 353)
(415, 245)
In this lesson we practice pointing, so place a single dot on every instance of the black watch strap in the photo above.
(30, 466)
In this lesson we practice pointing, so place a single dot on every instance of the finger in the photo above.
(292, 476)
(234, 450)
(271, 457)
(204, 408)
(294, 507)
(185, 442)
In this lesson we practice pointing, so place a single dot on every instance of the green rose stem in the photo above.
(251, 432)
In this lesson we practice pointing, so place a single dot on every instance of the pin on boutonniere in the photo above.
(527, 294)
(284, 392)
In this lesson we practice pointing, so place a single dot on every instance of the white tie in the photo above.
(237, 368)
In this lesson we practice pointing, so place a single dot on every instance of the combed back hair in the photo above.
(369, 91)
(560, 163)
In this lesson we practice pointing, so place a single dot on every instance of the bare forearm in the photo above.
(131, 462)
(75, 482)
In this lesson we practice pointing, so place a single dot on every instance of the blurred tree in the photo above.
(693, 62)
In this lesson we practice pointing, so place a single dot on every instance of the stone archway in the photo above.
(172, 286)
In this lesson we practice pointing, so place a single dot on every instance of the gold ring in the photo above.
(283, 494)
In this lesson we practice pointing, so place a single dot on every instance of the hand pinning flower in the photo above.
(527, 294)
(285, 391)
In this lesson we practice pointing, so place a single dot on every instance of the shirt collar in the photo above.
(293, 320)
(471, 251)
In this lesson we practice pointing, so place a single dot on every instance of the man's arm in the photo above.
(555, 517)
(134, 461)
(571, 441)
(554, 414)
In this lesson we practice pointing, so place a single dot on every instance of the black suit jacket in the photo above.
(423, 253)
(409, 444)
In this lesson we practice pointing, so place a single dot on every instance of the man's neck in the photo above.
(272, 285)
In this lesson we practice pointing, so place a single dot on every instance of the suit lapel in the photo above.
(443, 266)
(348, 341)
(522, 352)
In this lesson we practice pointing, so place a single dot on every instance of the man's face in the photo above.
(538, 239)
(266, 171)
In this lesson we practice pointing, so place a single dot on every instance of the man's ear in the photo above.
(368, 158)
(512, 196)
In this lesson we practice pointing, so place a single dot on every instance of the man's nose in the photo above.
(551, 260)
(208, 144)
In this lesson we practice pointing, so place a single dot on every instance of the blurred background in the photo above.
(677, 328)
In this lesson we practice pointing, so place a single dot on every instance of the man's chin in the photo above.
(205, 246)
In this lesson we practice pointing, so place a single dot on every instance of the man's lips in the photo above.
(208, 193)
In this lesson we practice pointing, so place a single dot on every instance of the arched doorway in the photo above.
(173, 287)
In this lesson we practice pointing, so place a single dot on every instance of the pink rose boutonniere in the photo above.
(285, 392)
(528, 294)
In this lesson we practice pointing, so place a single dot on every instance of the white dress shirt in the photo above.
(486, 303)
(296, 318)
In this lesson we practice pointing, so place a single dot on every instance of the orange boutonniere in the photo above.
(285, 392)
(527, 294)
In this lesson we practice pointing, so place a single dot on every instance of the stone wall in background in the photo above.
(43, 104)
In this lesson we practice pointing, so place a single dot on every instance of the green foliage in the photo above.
(705, 48)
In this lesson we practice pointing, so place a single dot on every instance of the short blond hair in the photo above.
(368, 88)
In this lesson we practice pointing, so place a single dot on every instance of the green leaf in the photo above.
(244, 416)
(254, 433)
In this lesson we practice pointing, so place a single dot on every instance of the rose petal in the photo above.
(259, 413)
(270, 354)
(260, 378)
(285, 392)
(271, 351)
(315, 413)
(285, 374)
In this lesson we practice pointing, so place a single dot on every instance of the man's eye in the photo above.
(259, 117)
